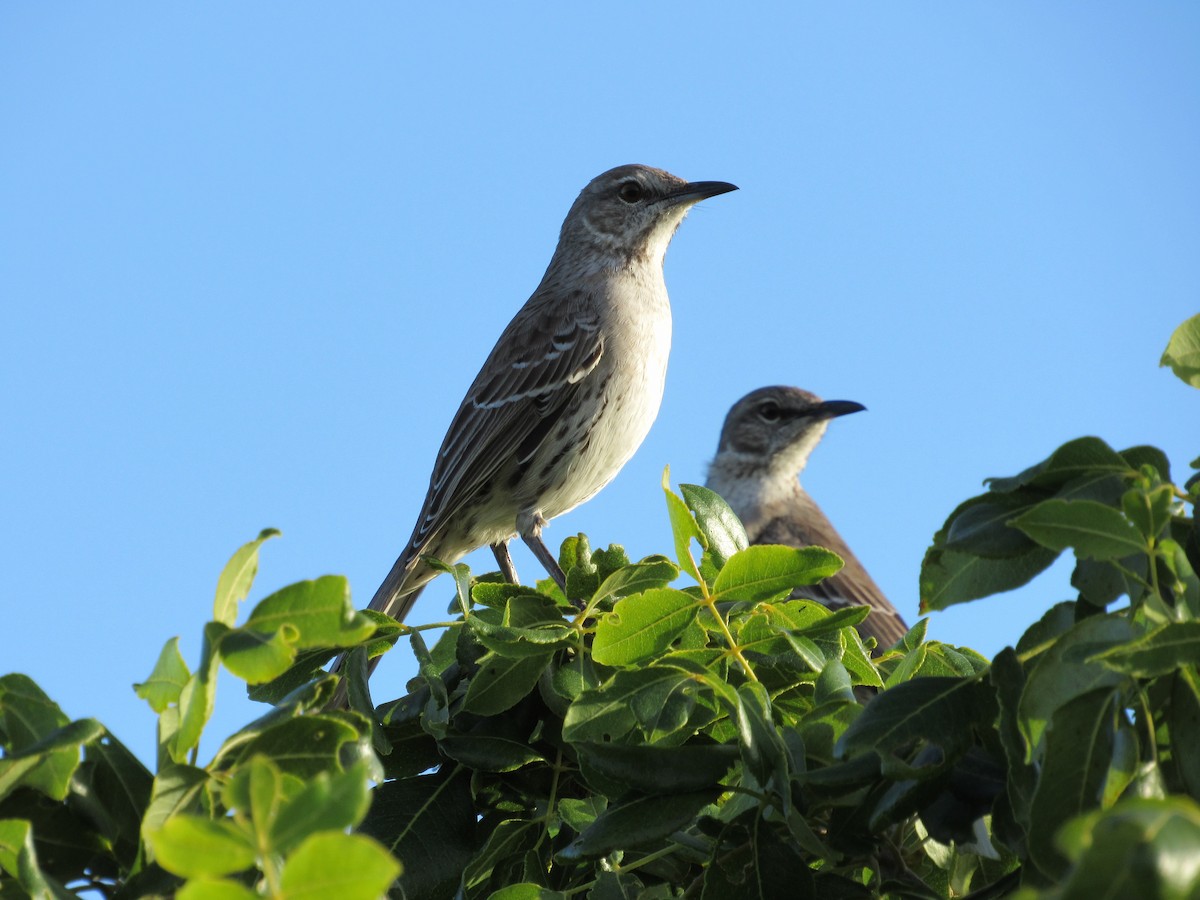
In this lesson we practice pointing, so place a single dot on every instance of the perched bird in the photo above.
(765, 445)
(568, 392)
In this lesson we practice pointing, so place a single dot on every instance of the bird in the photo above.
(765, 444)
(568, 392)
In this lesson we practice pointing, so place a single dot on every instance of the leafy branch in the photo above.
(712, 740)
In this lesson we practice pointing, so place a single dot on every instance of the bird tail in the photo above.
(395, 597)
(399, 591)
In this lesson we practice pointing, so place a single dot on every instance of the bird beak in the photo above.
(831, 409)
(695, 191)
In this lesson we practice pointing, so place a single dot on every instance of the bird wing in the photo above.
(532, 375)
(850, 586)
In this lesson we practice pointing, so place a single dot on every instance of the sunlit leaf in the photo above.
(330, 864)
(761, 572)
(236, 578)
(194, 847)
(683, 528)
(1183, 352)
(166, 681)
(642, 626)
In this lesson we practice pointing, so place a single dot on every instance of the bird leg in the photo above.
(504, 561)
(529, 526)
(535, 543)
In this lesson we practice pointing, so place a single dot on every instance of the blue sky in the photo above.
(253, 254)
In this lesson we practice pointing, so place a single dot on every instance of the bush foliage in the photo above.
(710, 740)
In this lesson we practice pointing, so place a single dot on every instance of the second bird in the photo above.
(765, 445)
(568, 392)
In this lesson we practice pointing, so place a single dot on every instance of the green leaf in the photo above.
(1179, 562)
(461, 573)
(650, 769)
(1067, 670)
(1183, 721)
(436, 712)
(166, 681)
(195, 847)
(65, 840)
(940, 711)
(1098, 583)
(532, 626)
(308, 666)
(236, 578)
(1145, 455)
(48, 765)
(1173, 646)
(949, 577)
(1183, 352)
(198, 695)
(576, 561)
(637, 822)
(762, 572)
(1079, 747)
(309, 697)
(579, 814)
(345, 866)
(320, 611)
(489, 753)
(643, 626)
(258, 657)
(979, 526)
(614, 557)
(723, 531)
(653, 572)
(833, 684)
(769, 866)
(1008, 679)
(27, 715)
(1139, 848)
(510, 838)
(943, 659)
(18, 857)
(1086, 457)
(1094, 530)
(1124, 766)
(503, 681)
(496, 594)
(113, 789)
(1149, 510)
(764, 754)
(215, 889)
(430, 823)
(177, 789)
(683, 528)
(526, 891)
(810, 618)
(658, 698)
(303, 747)
(1041, 635)
(258, 788)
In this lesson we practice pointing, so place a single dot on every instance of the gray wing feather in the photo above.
(851, 586)
(532, 374)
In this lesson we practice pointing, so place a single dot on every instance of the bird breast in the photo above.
(628, 380)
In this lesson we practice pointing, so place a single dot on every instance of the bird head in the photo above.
(629, 214)
(779, 426)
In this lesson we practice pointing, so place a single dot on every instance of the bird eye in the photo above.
(769, 411)
(630, 192)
